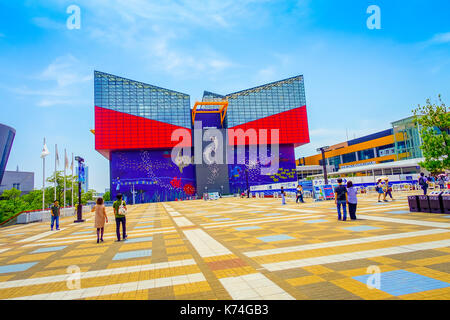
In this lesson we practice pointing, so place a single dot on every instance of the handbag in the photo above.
(122, 209)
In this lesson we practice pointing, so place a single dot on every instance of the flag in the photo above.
(56, 155)
(71, 164)
(66, 160)
(45, 151)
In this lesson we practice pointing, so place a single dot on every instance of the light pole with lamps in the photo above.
(80, 179)
(322, 150)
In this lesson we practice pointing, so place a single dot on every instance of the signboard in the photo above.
(328, 191)
(358, 165)
(318, 193)
(275, 186)
(213, 196)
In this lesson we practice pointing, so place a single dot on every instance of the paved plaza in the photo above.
(234, 248)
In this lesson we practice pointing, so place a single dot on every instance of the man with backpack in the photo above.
(423, 182)
(120, 210)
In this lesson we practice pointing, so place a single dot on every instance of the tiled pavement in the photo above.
(234, 248)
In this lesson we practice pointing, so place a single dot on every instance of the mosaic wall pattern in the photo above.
(154, 176)
(285, 173)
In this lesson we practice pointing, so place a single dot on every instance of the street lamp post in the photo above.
(322, 150)
(80, 206)
(246, 179)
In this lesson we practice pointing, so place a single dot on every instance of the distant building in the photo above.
(23, 181)
(7, 135)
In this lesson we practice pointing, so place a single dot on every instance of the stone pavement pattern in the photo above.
(233, 248)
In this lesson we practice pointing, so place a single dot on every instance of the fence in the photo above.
(44, 216)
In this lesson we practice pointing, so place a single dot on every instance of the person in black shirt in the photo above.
(55, 211)
(341, 198)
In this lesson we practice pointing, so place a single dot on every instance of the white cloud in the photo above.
(47, 23)
(161, 30)
(440, 38)
(58, 83)
(63, 71)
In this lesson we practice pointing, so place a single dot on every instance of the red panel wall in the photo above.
(292, 125)
(120, 131)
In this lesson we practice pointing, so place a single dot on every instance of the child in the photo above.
(379, 189)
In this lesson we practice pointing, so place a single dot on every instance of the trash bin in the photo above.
(413, 202)
(446, 201)
(424, 204)
(436, 205)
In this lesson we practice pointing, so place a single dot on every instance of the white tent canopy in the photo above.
(387, 165)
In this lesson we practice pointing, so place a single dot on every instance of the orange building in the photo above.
(375, 148)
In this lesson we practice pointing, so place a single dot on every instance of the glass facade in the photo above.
(141, 99)
(407, 139)
(366, 154)
(263, 101)
(7, 135)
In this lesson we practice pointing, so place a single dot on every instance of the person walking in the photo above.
(379, 189)
(423, 182)
(341, 199)
(120, 209)
(56, 212)
(352, 199)
(387, 191)
(283, 196)
(299, 194)
(100, 218)
(441, 182)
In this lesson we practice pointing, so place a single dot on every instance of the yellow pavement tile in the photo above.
(135, 246)
(318, 269)
(178, 249)
(84, 252)
(305, 280)
(383, 260)
(33, 257)
(430, 261)
(361, 290)
(73, 261)
(47, 273)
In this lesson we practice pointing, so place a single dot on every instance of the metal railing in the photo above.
(44, 216)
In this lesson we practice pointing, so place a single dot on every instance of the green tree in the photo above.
(50, 192)
(87, 196)
(107, 196)
(434, 120)
(12, 196)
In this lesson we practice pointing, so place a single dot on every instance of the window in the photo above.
(366, 154)
(16, 186)
(349, 157)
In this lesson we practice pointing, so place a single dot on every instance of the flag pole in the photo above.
(56, 155)
(72, 179)
(43, 181)
(65, 166)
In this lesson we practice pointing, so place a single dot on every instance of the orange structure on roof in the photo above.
(222, 110)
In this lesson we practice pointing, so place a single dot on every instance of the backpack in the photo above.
(122, 210)
(421, 181)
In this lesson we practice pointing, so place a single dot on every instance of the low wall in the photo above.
(44, 216)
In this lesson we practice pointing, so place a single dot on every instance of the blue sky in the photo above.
(357, 80)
